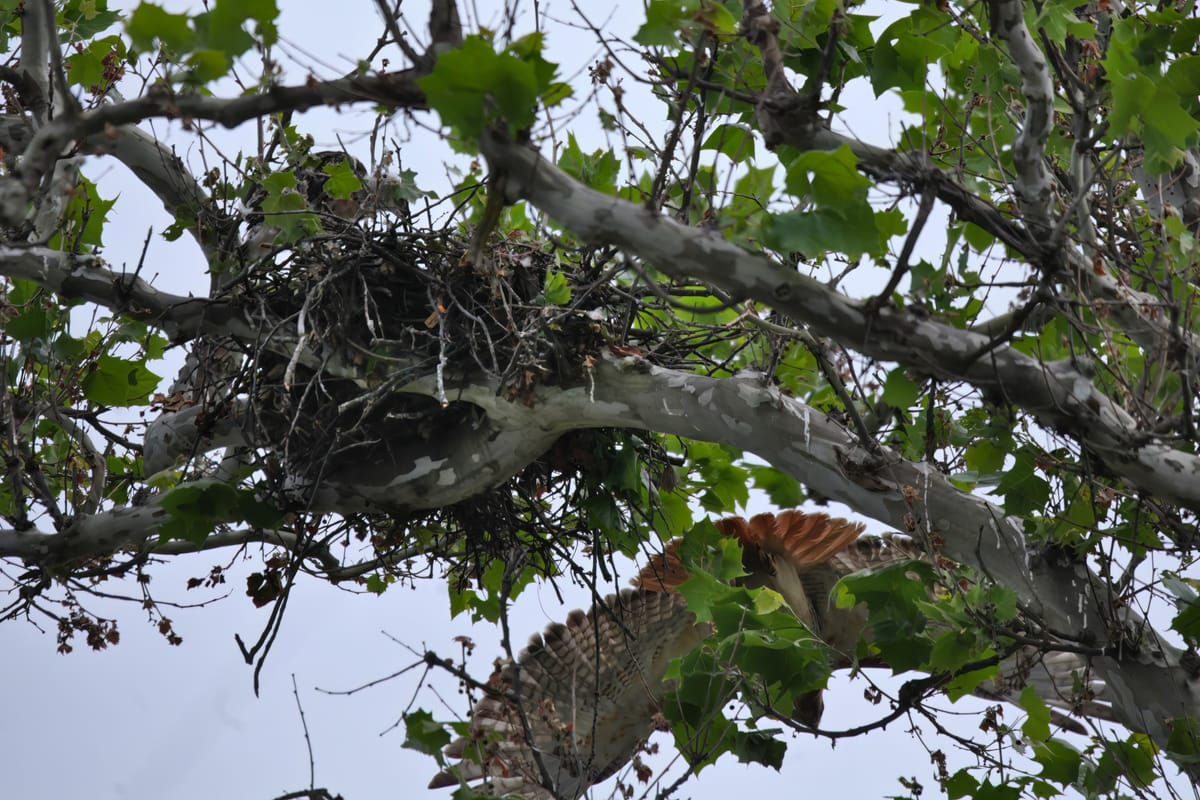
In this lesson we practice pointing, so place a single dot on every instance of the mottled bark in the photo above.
(1061, 395)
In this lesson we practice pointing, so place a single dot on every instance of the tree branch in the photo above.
(1059, 394)
(397, 90)
(785, 119)
(1033, 184)
(1149, 680)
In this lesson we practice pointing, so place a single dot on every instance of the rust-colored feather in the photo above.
(664, 572)
(586, 692)
(803, 539)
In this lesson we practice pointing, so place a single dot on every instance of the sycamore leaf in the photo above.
(735, 141)
(1037, 723)
(114, 381)
(150, 22)
(342, 181)
(424, 735)
(899, 391)
(598, 169)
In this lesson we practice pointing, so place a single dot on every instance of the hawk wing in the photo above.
(581, 698)
(578, 702)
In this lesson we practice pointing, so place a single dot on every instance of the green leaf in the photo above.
(424, 735)
(759, 747)
(223, 28)
(828, 177)
(1183, 75)
(198, 507)
(22, 291)
(1058, 19)
(285, 208)
(895, 597)
(598, 170)
(783, 490)
(68, 349)
(960, 784)
(32, 323)
(150, 22)
(557, 291)
(1133, 759)
(979, 239)
(86, 18)
(1004, 791)
(1023, 489)
(463, 79)
(899, 391)
(1184, 739)
(342, 181)
(515, 88)
(207, 65)
(1187, 622)
(85, 67)
(1081, 512)
(85, 218)
(967, 682)
(119, 382)
(556, 93)
(664, 19)
(824, 230)
(726, 484)
(951, 650)
(1037, 723)
(404, 187)
(985, 457)
(735, 141)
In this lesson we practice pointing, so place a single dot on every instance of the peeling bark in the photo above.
(1033, 183)
(1061, 395)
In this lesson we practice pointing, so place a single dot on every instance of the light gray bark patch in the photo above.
(737, 425)
(421, 466)
(752, 395)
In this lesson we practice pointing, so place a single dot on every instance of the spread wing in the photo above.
(581, 698)
(578, 702)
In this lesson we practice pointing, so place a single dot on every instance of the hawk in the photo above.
(582, 697)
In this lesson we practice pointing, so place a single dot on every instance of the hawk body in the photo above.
(582, 697)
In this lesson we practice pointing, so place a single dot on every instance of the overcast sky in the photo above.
(146, 720)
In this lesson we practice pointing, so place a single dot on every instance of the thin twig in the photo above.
(312, 769)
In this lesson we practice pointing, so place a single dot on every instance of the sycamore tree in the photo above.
(975, 328)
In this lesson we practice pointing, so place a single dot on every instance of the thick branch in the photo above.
(163, 173)
(404, 473)
(1148, 684)
(89, 536)
(444, 470)
(786, 119)
(1060, 394)
(188, 432)
(36, 42)
(1034, 189)
(398, 90)
(82, 277)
